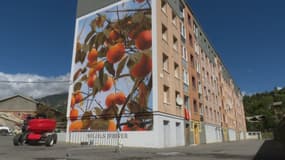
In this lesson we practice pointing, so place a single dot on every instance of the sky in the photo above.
(36, 41)
(249, 36)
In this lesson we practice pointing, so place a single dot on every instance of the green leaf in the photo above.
(97, 87)
(84, 78)
(133, 59)
(102, 52)
(137, 17)
(98, 111)
(99, 125)
(110, 68)
(77, 74)
(121, 66)
(110, 112)
(100, 39)
(77, 86)
(92, 42)
(134, 107)
(89, 35)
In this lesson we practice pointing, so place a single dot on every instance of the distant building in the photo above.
(16, 108)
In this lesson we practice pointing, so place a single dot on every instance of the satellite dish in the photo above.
(179, 101)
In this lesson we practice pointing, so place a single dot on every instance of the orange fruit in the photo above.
(115, 53)
(91, 72)
(92, 55)
(91, 81)
(126, 128)
(112, 126)
(99, 66)
(120, 98)
(142, 68)
(110, 100)
(72, 104)
(75, 126)
(78, 97)
(108, 84)
(143, 40)
(140, 129)
(140, 1)
(73, 114)
(114, 35)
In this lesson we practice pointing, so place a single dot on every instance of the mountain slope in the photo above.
(58, 101)
(261, 104)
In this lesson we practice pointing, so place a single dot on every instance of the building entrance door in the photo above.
(187, 134)
(166, 129)
(196, 134)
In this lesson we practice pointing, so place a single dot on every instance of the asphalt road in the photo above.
(233, 150)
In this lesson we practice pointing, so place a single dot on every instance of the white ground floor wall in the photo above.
(242, 137)
(213, 133)
(232, 135)
(168, 131)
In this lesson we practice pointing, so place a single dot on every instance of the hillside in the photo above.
(261, 104)
(58, 101)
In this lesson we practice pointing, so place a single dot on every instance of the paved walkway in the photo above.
(233, 150)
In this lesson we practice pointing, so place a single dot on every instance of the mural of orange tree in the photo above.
(112, 71)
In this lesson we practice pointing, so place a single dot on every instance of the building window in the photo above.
(176, 70)
(192, 61)
(185, 77)
(195, 106)
(175, 43)
(207, 112)
(193, 83)
(174, 18)
(177, 95)
(165, 62)
(189, 19)
(184, 53)
(211, 114)
(190, 40)
(201, 109)
(182, 30)
(218, 116)
(200, 87)
(205, 92)
(166, 94)
(186, 102)
(163, 6)
(215, 116)
(164, 33)
(195, 29)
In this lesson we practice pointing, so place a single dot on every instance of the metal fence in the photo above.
(95, 138)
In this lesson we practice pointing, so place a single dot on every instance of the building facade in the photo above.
(145, 75)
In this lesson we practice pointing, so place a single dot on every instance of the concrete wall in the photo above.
(203, 134)
(170, 134)
(232, 135)
(213, 133)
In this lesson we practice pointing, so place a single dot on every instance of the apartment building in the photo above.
(145, 75)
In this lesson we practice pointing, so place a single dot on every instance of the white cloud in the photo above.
(32, 89)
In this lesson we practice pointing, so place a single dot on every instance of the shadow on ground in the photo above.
(270, 150)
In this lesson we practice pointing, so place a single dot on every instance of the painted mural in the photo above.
(112, 70)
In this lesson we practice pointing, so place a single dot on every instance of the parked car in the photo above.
(5, 131)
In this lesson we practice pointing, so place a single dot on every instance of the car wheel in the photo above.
(4, 132)
(17, 139)
(55, 138)
(50, 140)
